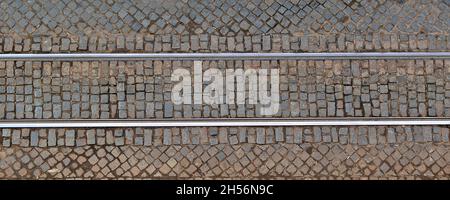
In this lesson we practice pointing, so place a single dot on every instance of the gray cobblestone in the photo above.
(133, 103)
(51, 138)
(159, 19)
(147, 137)
(112, 90)
(260, 136)
(70, 138)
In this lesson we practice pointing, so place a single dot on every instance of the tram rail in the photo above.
(225, 56)
(224, 122)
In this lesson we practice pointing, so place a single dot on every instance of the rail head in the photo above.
(222, 122)
(225, 56)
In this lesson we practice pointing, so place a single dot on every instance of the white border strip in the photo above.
(224, 56)
(223, 122)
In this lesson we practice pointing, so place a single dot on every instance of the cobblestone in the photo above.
(270, 43)
(362, 97)
(141, 90)
(331, 161)
(225, 135)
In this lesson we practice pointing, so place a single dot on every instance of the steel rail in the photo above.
(224, 56)
(221, 122)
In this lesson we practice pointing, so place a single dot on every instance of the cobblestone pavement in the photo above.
(247, 161)
(418, 152)
(350, 42)
(211, 26)
(222, 17)
(111, 90)
(358, 135)
(118, 90)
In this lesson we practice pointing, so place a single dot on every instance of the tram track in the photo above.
(224, 122)
(225, 56)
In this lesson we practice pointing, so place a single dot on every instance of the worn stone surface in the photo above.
(340, 88)
(141, 90)
(222, 17)
(284, 42)
(361, 135)
(223, 161)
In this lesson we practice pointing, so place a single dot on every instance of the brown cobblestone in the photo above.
(113, 90)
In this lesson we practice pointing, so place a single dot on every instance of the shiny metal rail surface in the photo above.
(223, 122)
(224, 56)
